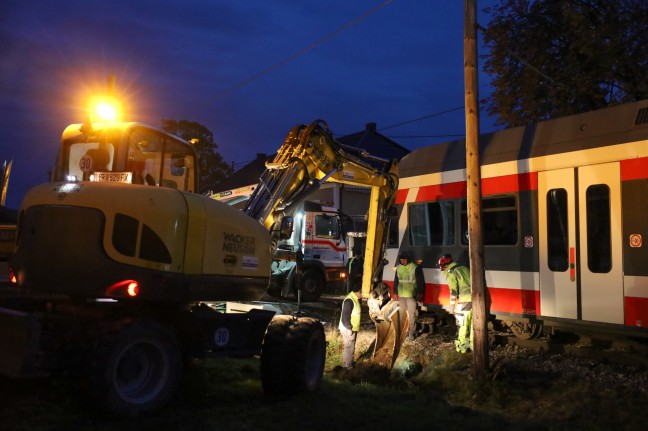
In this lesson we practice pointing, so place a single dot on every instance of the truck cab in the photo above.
(320, 237)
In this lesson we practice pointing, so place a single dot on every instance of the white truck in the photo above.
(320, 237)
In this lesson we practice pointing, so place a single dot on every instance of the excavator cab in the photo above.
(129, 153)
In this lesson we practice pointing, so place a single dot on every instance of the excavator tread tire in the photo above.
(292, 356)
(137, 369)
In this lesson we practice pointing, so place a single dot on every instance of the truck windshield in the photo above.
(326, 226)
(133, 155)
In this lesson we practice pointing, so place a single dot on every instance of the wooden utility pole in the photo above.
(6, 171)
(473, 176)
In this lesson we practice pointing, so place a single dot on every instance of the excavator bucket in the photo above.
(391, 331)
(392, 323)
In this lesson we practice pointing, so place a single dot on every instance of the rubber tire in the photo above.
(312, 285)
(293, 355)
(151, 355)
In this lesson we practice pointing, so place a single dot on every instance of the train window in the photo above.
(599, 242)
(500, 221)
(557, 230)
(432, 223)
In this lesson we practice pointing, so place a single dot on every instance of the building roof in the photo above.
(368, 140)
(246, 176)
(374, 143)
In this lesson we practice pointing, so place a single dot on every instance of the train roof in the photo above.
(608, 126)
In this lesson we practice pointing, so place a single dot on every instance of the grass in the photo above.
(422, 392)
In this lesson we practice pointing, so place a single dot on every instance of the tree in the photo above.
(213, 169)
(553, 58)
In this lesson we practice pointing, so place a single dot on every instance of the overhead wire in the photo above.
(423, 118)
(320, 42)
(298, 54)
(425, 136)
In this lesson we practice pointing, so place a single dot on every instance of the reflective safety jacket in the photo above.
(458, 278)
(350, 317)
(354, 267)
(406, 282)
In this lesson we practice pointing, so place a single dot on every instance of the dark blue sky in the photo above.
(187, 59)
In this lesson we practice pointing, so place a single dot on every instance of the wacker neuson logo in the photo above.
(236, 243)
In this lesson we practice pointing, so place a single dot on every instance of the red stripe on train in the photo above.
(490, 186)
(631, 169)
(441, 191)
(636, 311)
(401, 195)
(527, 302)
(513, 301)
(510, 183)
(634, 169)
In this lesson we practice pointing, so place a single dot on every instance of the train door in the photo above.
(601, 268)
(557, 219)
(580, 243)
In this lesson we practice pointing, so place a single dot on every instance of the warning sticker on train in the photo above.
(636, 240)
(528, 241)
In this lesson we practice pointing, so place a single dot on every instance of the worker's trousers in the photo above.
(463, 318)
(410, 306)
(348, 349)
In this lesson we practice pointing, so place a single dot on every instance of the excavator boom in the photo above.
(309, 157)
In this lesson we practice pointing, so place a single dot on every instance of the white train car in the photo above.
(565, 220)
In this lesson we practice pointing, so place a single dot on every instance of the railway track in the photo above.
(618, 351)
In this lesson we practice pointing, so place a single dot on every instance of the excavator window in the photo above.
(157, 160)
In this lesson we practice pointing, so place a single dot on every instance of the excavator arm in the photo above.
(309, 157)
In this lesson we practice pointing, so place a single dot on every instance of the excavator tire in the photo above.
(137, 370)
(312, 285)
(292, 356)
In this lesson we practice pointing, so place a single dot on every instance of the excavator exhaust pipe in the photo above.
(392, 322)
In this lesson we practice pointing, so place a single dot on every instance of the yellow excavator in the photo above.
(309, 157)
(125, 273)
